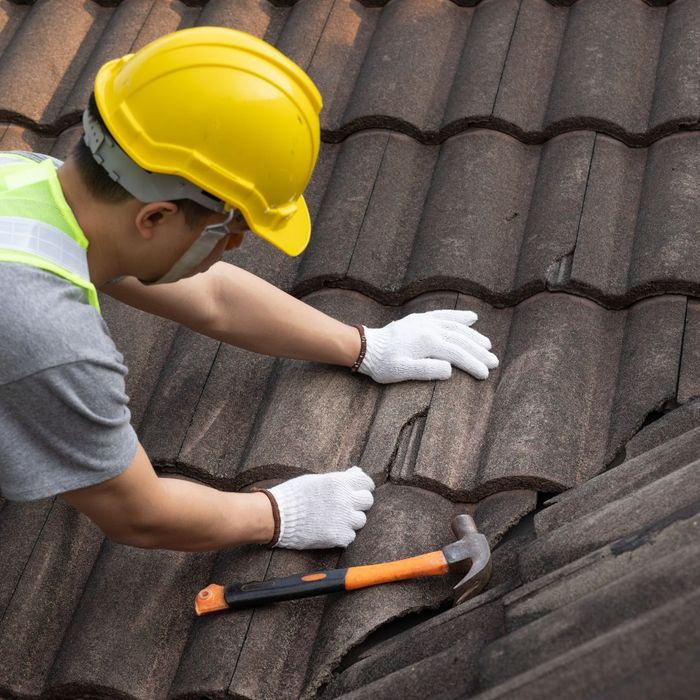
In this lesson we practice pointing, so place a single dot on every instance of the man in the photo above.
(201, 135)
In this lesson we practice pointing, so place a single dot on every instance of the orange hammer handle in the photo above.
(431, 564)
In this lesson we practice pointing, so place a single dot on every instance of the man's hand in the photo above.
(425, 346)
(322, 510)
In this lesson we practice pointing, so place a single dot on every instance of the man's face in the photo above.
(230, 242)
(171, 237)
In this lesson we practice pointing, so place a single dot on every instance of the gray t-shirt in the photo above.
(64, 419)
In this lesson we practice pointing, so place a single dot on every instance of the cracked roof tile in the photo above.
(549, 417)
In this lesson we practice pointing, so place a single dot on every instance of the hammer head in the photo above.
(471, 554)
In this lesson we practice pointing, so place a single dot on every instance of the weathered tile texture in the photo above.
(536, 162)
(489, 216)
(575, 382)
(628, 69)
(617, 615)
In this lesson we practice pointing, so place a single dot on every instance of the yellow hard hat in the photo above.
(227, 112)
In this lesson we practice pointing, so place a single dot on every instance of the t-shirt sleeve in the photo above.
(64, 428)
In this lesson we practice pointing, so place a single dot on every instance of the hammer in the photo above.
(470, 554)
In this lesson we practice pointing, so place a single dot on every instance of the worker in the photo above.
(198, 137)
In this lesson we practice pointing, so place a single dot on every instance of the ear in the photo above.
(152, 215)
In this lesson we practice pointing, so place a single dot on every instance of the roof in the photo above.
(535, 162)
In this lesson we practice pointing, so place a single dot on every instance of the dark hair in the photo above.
(103, 188)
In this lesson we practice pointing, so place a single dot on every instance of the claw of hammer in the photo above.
(471, 554)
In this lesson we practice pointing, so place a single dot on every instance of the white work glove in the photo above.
(322, 510)
(425, 346)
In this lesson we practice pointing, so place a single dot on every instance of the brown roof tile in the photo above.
(689, 379)
(501, 179)
(54, 574)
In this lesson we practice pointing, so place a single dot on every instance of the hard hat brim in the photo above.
(293, 237)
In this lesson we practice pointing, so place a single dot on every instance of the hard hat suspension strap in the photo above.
(198, 251)
(144, 185)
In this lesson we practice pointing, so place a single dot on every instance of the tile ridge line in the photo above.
(394, 125)
(496, 300)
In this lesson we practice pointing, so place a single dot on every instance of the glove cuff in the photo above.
(375, 345)
(292, 514)
(275, 515)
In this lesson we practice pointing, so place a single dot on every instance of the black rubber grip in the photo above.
(245, 595)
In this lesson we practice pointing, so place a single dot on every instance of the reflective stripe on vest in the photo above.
(20, 156)
(54, 241)
(45, 241)
(7, 159)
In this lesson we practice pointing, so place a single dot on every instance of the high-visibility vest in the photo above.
(37, 227)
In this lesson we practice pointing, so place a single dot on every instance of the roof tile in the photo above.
(619, 518)
(65, 35)
(587, 575)
(606, 233)
(330, 40)
(664, 580)
(649, 365)
(475, 212)
(258, 17)
(341, 216)
(224, 632)
(677, 95)
(314, 417)
(391, 218)
(460, 408)
(666, 428)
(15, 138)
(431, 662)
(403, 522)
(282, 633)
(689, 380)
(603, 74)
(624, 479)
(186, 370)
(410, 64)
(666, 240)
(223, 417)
(164, 16)
(55, 572)
(11, 16)
(119, 37)
(139, 600)
(530, 66)
(547, 422)
(614, 657)
(481, 66)
(145, 341)
(20, 526)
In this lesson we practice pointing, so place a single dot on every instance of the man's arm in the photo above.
(236, 307)
(139, 508)
(229, 304)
